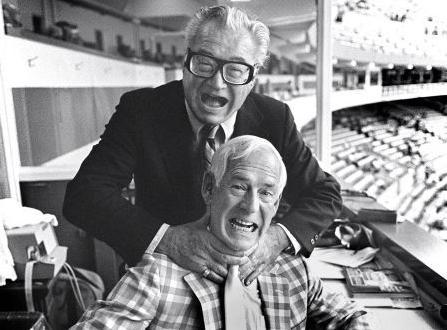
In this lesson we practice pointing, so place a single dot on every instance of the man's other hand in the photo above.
(193, 247)
(264, 256)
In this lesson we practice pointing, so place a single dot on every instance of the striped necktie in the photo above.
(208, 136)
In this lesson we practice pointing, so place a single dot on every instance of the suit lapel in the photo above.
(275, 297)
(174, 136)
(249, 120)
(208, 293)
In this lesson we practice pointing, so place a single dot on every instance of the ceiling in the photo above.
(292, 24)
(289, 20)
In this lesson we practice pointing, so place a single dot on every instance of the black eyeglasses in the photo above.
(205, 66)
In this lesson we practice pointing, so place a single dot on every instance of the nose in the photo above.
(250, 202)
(217, 80)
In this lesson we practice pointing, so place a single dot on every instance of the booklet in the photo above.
(367, 282)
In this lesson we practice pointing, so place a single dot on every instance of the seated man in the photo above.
(242, 192)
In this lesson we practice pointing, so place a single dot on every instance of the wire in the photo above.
(75, 280)
(75, 286)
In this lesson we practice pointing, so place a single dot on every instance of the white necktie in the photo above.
(234, 309)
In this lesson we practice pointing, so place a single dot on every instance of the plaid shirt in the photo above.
(158, 294)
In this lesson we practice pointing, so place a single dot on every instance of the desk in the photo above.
(379, 318)
(390, 318)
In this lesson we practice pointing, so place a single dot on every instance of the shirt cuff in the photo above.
(295, 244)
(160, 233)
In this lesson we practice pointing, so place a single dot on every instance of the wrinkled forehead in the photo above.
(213, 35)
(261, 161)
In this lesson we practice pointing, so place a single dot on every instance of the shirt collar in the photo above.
(227, 126)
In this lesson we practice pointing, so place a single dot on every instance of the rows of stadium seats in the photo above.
(367, 25)
(396, 153)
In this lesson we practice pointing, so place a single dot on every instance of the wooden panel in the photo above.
(4, 183)
(22, 124)
(42, 123)
(77, 118)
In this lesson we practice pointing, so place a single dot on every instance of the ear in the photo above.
(252, 83)
(208, 184)
(277, 202)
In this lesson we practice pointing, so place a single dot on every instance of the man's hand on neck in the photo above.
(193, 247)
(263, 257)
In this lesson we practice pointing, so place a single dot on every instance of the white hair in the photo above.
(241, 147)
(234, 19)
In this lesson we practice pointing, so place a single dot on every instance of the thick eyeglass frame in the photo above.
(220, 64)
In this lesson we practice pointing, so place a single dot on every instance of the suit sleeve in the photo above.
(93, 199)
(314, 195)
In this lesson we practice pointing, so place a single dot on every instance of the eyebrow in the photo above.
(244, 179)
(234, 58)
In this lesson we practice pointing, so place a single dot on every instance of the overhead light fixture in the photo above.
(429, 67)
(353, 63)
(410, 66)
(371, 65)
(334, 61)
(390, 66)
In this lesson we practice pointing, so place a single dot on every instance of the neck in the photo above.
(247, 252)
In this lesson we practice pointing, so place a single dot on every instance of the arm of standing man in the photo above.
(314, 195)
(94, 202)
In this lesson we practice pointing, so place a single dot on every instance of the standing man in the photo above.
(163, 137)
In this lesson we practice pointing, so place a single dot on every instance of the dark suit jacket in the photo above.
(150, 137)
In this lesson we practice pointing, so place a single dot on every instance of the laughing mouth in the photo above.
(241, 224)
(213, 100)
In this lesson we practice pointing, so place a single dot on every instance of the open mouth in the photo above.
(213, 101)
(243, 225)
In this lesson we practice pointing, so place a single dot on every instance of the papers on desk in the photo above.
(345, 257)
(335, 285)
(327, 262)
(325, 270)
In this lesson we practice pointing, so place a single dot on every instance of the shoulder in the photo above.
(266, 103)
(148, 93)
(293, 267)
(274, 114)
(161, 265)
(145, 105)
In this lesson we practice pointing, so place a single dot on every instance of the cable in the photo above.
(75, 286)
(76, 289)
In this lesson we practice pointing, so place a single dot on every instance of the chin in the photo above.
(210, 117)
(214, 112)
(237, 246)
